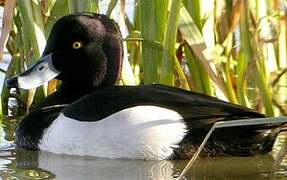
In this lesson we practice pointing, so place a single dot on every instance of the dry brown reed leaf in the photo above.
(7, 24)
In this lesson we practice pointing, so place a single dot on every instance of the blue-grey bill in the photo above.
(41, 72)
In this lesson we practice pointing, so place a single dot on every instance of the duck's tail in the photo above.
(254, 137)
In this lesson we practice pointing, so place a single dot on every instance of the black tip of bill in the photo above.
(12, 82)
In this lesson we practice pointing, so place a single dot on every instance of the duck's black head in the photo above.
(82, 49)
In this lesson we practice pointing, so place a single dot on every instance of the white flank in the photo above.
(141, 132)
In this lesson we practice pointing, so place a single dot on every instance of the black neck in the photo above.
(73, 92)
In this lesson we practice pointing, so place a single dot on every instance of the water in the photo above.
(44, 165)
(47, 166)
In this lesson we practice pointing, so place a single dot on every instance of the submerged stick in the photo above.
(222, 124)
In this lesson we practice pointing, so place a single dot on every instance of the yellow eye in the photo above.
(77, 45)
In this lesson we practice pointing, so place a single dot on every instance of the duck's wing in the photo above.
(196, 109)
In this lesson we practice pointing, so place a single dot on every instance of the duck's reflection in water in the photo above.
(75, 167)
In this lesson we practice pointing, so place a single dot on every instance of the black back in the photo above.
(196, 109)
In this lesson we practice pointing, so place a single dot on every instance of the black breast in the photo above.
(32, 127)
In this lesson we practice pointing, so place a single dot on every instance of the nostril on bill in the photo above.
(12, 82)
(41, 68)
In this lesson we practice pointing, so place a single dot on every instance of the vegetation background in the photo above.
(231, 49)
